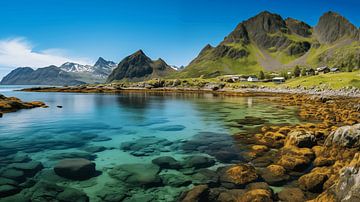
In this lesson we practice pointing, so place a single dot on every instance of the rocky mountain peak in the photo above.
(265, 22)
(298, 27)
(332, 27)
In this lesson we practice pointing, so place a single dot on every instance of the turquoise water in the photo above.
(48, 135)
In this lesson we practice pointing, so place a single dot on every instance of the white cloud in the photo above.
(18, 52)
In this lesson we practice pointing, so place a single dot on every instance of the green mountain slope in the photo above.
(270, 43)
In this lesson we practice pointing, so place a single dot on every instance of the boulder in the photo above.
(196, 194)
(8, 190)
(257, 195)
(14, 174)
(46, 191)
(94, 149)
(237, 175)
(198, 162)
(75, 169)
(167, 162)
(291, 195)
(314, 180)
(346, 136)
(300, 138)
(29, 168)
(137, 174)
(175, 179)
(275, 175)
(294, 158)
(112, 192)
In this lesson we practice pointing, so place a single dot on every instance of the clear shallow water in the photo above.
(47, 133)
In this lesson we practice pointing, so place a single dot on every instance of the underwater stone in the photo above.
(137, 174)
(29, 168)
(14, 174)
(83, 155)
(75, 169)
(94, 149)
(198, 162)
(171, 128)
(8, 190)
(167, 162)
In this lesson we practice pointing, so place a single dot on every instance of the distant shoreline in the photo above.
(257, 91)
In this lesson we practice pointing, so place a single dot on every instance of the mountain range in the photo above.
(270, 43)
(265, 42)
(67, 74)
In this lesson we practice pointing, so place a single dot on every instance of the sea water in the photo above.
(50, 134)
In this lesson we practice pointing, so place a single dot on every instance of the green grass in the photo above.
(330, 80)
(225, 65)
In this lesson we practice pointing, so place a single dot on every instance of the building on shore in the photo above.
(252, 78)
(323, 70)
(278, 79)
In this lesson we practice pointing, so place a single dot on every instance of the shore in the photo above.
(217, 88)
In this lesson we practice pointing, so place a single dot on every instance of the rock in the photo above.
(314, 180)
(294, 158)
(231, 195)
(83, 155)
(300, 138)
(75, 169)
(258, 185)
(291, 195)
(8, 190)
(257, 195)
(205, 176)
(273, 139)
(237, 175)
(14, 174)
(196, 194)
(171, 128)
(137, 174)
(94, 149)
(275, 175)
(346, 136)
(175, 179)
(29, 168)
(113, 192)
(146, 146)
(250, 120)
(198, 162)
(46, 191)
(167, 162)
(7, 181)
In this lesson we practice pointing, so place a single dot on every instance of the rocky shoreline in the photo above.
(213, 87)
(315, 161)
(13, 104)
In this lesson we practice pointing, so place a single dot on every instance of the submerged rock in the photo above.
(237, 175)
(29, 168)
(198, 162)
(137, 174)
(291, 195)
(113, 192)
(198, 193)
(146, 146)
(294, 158)
(75, 169)
(46, 191)
(8, 190)
(275, 175)
(167, 162)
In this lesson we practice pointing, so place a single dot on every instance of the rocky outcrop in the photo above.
(298, 27)
(332, 27)
(237, 175)
(300, 138)
(12, 104)
(346, 136)
(138, 66)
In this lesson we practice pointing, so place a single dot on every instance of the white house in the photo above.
(278, 79)
(252, 78)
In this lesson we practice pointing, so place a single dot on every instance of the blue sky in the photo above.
(51, 31)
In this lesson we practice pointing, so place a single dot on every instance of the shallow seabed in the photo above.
(118, 132)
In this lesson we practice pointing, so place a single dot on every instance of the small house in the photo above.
(323, 70)
(278, 79)
(334, 70)
(310, 72)
(252, 78)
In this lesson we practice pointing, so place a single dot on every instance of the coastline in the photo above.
(13, 104)
(308, 159)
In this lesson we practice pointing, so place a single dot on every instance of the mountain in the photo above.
(138, 67)
(67, 74)
(269, 42)
(51, 75)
